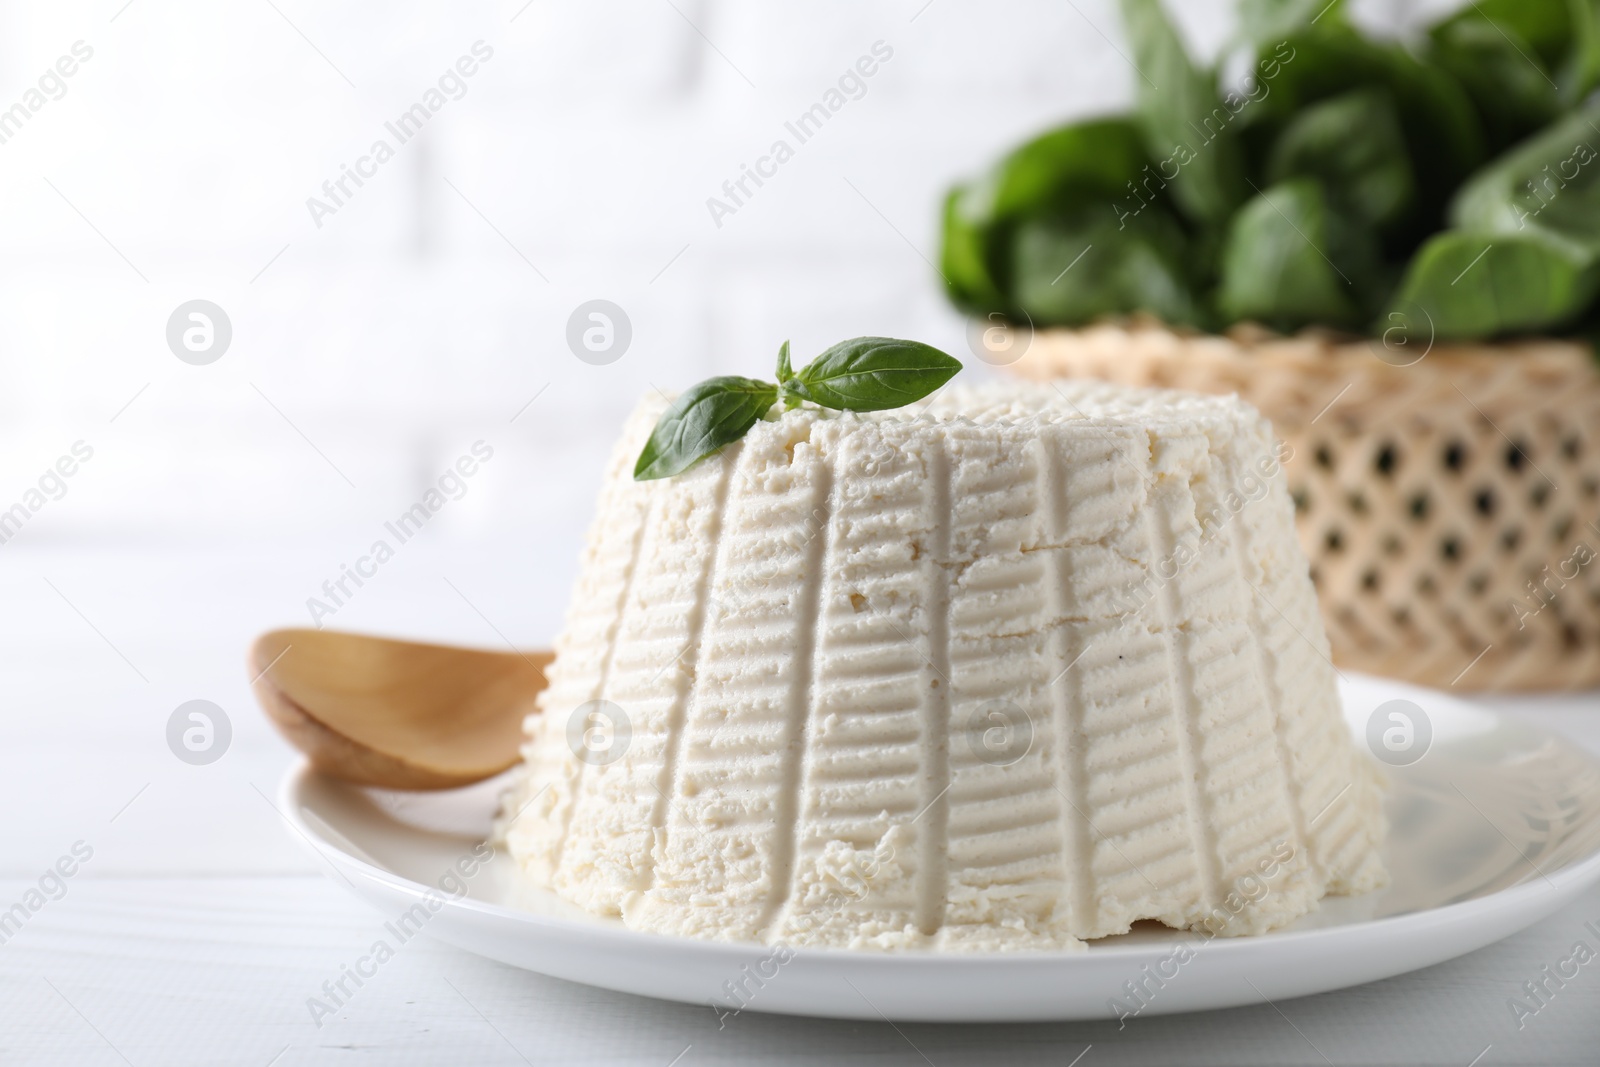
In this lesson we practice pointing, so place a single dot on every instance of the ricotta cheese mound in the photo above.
(1009, 669)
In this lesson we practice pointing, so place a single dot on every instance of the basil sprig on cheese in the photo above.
(862, 374)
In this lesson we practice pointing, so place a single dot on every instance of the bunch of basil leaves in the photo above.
(1449, 185)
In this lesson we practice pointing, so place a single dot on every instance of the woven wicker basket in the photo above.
(1449, 506)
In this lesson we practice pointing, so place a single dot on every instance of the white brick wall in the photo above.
(406, 327)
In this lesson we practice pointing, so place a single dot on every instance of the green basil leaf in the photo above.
(964, 256)
(1443, 136)
(873, 374)
(1512, 90)
(1265, 22)
(1470, 286)
(1441, 128)
(1549, 183)
(785, 376)
(702, 420)
(1095, 161)
(1288, 261)
(1580, 72)
(1070, 269)
(1062, 168)
(1546, 25)
(1354, 145)
(1185, 124)
(785, 372)
(1562, 38)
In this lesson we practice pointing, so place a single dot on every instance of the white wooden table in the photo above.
(197, 930)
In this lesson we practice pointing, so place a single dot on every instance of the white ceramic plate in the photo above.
(1497, 826)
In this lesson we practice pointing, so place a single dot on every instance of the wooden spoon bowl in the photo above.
(397, 714)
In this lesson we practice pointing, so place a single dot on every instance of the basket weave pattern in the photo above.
(1450, 507)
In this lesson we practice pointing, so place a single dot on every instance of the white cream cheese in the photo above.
(1010, 669)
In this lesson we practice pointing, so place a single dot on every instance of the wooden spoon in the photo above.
(397, 714)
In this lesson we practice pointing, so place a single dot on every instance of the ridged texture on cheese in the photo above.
(1014, 668)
